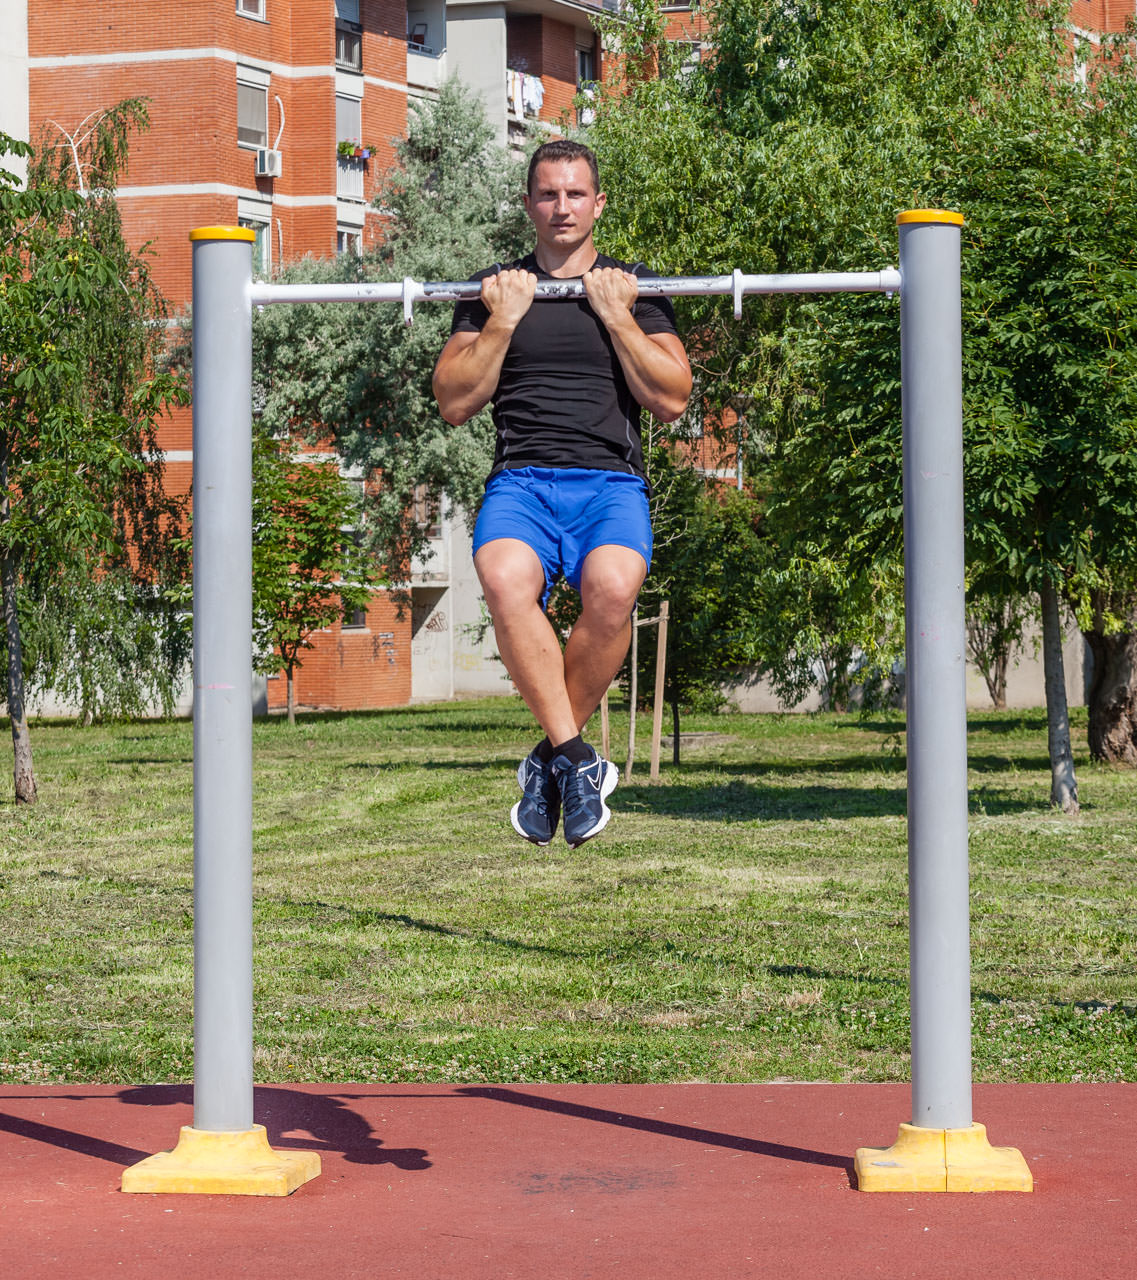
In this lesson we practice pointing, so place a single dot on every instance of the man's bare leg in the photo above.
(513, 581)
(561, 689)
(610, 581)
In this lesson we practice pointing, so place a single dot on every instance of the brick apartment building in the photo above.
(250, 101)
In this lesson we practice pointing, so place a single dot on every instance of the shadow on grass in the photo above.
(179, 760)
(362, 917)
(827, 975)
(739, 801)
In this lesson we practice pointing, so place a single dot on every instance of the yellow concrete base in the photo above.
(223, 1164)
(942, 1160)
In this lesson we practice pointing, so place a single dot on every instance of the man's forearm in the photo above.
(657, 375)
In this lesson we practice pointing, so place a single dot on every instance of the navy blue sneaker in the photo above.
(584, 788)
(536, 814)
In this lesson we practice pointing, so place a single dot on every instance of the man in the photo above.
(567, 493)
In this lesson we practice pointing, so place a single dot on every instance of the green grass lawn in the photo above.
(745, 919)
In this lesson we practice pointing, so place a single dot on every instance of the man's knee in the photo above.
(610, 583)
(510, 574)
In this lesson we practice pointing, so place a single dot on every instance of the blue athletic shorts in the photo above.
(563, 513)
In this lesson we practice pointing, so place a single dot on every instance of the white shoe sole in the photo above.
(607, 786)
(541, 844)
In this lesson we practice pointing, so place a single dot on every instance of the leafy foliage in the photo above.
(357, 372)
(86, 528)
(308, 567)
(793, 147)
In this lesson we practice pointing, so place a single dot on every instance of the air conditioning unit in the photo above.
(268, 163)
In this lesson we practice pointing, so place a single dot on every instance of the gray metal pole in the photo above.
(222, 674)
(931, 365)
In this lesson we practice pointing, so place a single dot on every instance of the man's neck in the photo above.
(568, 262)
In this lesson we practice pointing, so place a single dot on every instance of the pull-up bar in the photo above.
(737, 285)
(942, 1149)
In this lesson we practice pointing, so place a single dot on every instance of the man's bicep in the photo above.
(671, 343)
(455, 345)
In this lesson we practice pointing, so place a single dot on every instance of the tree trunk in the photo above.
(1063, 783)
(998, 688)
(1113, 690)
(23, 772)
(291, 697)
(675, 734)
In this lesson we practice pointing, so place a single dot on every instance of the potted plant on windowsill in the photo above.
(348, 150)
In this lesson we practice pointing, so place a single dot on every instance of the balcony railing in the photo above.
(349, 178)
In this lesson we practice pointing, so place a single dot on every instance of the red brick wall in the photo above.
(1101, 15)
(354, 669)
(558, 68)
(193, 107)
(192, 142)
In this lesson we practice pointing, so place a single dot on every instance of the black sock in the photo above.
(544, 751)
(575, 750)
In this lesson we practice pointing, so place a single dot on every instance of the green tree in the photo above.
(792, 148)
(452, 205)
(309, 568)
(995, 625)
(83, 517)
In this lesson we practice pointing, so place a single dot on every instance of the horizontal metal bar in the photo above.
(737, 285)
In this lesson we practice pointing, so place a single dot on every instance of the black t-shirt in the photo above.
(562, 399)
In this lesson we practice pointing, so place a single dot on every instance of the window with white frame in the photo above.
(252, 107)
(349, 240)
(690, 55)
(262, 246)
(585, 67)
(349, 118)
(585, 83)
(251, 8)
(349, 128)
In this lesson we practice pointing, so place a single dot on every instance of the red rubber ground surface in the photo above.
(592, 1182)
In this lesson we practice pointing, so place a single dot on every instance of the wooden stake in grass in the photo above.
(657, 708)
(657, 703)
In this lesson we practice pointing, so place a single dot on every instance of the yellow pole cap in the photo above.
(223, 233)
(930, 215)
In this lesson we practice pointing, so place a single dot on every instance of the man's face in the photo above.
(563, 204)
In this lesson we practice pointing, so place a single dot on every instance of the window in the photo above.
(262, 246)
(349, 118)
(691, 425)
(426, 511)
(349, 128)
(586, 84)
(349, 36)
(354, 619)
(252, 114)
(690, 55)
(585, 68)
(251, 8)
(349, 240)
(1083, 51)
(349, 47)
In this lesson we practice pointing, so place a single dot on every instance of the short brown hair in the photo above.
(561, 149)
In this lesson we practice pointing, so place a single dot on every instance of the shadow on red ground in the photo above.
(592, 1182)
